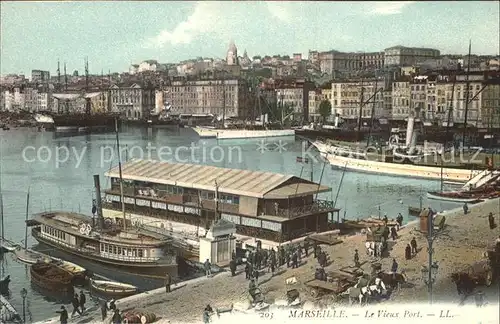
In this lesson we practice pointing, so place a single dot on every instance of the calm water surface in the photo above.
(68, 185)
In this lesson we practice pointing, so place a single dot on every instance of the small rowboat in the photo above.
(7, 247)
(113, 288)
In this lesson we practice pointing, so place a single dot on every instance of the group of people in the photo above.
(78, 303)
(411, 249)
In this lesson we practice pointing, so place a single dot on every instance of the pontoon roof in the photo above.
(232, 181)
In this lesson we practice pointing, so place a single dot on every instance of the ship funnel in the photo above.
(97, 186)
(409, 130)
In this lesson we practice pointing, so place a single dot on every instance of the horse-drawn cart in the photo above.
(481, 273)
(335, 284)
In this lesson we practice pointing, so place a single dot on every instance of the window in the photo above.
(172, 190)
(140, 253)
(207, 195)
(228, 199)
(114, 249)
(119, 250)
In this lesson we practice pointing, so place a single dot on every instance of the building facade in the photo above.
(132, 101)
(404, 56)
(40, 76)
(401, 98)
(490, 104)
(294, 93)
(348, 96)
(204, 97)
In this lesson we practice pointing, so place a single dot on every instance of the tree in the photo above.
(325, 109)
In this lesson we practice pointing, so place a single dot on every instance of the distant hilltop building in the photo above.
(406, 56)
(147, 65)
(232, 54)
(40, 76)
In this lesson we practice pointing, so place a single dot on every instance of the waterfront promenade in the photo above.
(467, 239)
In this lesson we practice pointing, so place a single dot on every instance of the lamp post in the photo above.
(24, 293)
(429, 277)
(429, 272)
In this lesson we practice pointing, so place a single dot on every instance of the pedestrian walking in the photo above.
(256, 276)
(232, 267)
(117, 317)
(394, 267)
(466, 209)
(394, 233)
(104, 309)
(408, 252)
(168, 282)
(413, 244)
(306, 247)
(75, 302)
(63, 315)
(295, 260)
(208, 268)
(82, 301)
(247, 271)
(491, 221)
(356, 259)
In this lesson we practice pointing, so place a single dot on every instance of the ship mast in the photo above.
(223, 100)
(361, 104)
(448, 121)
(120, 173)
(58, 74)
(467, 84)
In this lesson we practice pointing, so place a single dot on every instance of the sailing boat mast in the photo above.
(467, 83)
(120, 173)
(223, 100)
(448, 121)
(372, 114)
(361, 104)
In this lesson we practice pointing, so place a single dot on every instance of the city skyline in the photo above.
(69, 31)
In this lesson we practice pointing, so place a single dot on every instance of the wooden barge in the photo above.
(51, 277)
(263, 205)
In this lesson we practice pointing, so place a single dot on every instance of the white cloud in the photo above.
(220, 19)
(203, 19)
(388, 7)
(279, 11)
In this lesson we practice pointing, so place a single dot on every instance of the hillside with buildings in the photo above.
(391, 84)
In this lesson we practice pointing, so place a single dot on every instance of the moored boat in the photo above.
(9, 314)
(414, 211)
(241, 133)
(4, 285)
(112, 288)
(79, 273)
(51, 277)
(455, 196)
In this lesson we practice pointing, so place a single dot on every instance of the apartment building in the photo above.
(348, 95)
(295, 94)
(40, 76)
(218, 97)
(405, 56)
(401, 98)
(490, 104)
(99, 101)
(132, 100)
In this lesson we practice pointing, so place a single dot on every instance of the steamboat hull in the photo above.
(340, 135)
(227, 134)
(401, 170)
(76, 121)
(146, 270)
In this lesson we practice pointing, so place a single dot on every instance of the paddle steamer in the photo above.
(129, 250)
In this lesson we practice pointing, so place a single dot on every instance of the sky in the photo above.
(34, 35)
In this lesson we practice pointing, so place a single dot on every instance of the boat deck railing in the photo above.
(318, 206)
(111, 256)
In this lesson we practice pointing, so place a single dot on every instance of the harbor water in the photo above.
(57, 171)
